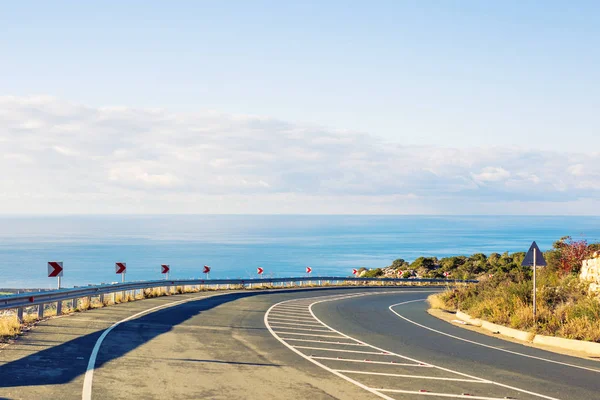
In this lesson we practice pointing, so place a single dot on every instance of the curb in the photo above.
(591, 348)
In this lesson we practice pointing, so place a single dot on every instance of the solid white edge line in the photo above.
(86, 393)
(486, 345)
(347, 371)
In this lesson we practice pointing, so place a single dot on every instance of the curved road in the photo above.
(293, 344)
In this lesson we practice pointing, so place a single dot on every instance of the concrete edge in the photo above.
(591, 348)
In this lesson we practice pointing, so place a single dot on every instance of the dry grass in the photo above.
(435, 301)
(9, 327)
(564, 307)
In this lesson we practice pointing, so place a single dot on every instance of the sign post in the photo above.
(165, 268)
(55, 269)
(120, 268)
(206, 270)
(534, 258)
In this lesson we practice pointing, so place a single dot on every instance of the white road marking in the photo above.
(374, 390)
(307, 334)
(372, 362)
(273, 318)
(295, 324)
(455, 396)
(296, 316)
(435, 366)
(347, 378)
(326, 342)
(482, 344)
(412, 376)
(299, 329)
(89, 373)
(341, 350)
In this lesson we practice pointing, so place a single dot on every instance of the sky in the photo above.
(379, 107)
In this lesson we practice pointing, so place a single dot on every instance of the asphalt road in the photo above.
(318, 344)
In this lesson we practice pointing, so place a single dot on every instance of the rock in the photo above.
(590, 272)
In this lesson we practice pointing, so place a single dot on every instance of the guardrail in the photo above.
(19, 301)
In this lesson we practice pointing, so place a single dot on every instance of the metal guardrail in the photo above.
(18, 301)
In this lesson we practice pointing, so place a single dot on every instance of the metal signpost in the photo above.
(206, 270)
(534, 258)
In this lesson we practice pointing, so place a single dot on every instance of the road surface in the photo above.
(295, 344)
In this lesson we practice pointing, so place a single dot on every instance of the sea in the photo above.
(235, 245)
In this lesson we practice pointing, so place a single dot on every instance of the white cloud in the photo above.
(491, 174)
(119, 159)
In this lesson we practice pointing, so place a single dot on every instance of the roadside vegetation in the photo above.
(564, 306)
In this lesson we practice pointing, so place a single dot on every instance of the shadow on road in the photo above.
(63, 363)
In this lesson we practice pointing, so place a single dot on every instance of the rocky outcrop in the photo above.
(590, 272)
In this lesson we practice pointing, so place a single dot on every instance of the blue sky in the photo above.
(452, 77)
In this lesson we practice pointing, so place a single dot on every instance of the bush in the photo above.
(564, 307)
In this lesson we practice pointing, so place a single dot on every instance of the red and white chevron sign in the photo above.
(206, 269)
(354, 271)
(259, 270)
(446, 274)
(308, 270)
(120, 267)
(55, 268)
(165, 268)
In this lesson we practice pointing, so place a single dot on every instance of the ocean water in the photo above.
(234, 245)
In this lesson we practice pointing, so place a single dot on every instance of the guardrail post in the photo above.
(20, 314)
(59, 307)
(40, 311)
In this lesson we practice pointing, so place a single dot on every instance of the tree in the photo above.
(568, 254)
